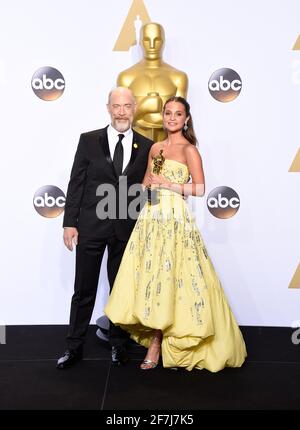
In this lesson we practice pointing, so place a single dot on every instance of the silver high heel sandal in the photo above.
(151, 364)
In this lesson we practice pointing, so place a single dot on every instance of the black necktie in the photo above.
(118, 156)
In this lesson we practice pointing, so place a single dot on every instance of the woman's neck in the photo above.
(174, 138)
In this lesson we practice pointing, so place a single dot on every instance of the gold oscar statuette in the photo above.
(152, 82)
(158, 162)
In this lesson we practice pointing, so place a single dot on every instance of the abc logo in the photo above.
(225, 85)
(48, 83)
(49, 201)
(223, 202)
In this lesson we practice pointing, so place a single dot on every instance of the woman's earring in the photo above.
(185, 127)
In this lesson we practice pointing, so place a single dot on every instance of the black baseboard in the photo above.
(273, 344)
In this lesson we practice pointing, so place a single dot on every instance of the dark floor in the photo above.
(269, 380)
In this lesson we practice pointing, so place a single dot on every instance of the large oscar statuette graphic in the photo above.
(152, 82)
(158, 162)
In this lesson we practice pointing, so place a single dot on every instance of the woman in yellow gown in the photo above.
(167, 294)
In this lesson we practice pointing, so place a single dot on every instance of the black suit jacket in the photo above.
(92, 167)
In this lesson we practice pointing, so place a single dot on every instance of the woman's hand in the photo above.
(156, 179)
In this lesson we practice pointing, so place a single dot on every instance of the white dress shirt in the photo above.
(113, 138)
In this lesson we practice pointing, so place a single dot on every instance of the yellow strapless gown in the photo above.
(166, 281)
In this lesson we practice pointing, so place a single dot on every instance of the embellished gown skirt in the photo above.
(167, 281)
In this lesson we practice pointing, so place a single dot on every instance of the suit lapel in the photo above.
(134, 152)
(105, 148)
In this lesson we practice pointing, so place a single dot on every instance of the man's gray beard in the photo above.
(122, 126)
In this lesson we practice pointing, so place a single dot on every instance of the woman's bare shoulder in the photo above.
(191, 150)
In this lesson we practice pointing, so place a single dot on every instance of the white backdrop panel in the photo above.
(247, 144)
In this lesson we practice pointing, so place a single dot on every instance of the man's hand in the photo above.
(70, 237)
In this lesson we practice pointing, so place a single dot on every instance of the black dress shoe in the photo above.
(118, 355)
(69, 358)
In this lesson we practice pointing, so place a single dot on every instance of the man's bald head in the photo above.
(120, 91)
(121, 107)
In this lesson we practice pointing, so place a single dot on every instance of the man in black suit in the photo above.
(117, 157)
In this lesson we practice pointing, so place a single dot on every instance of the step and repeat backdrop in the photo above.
(58, 62)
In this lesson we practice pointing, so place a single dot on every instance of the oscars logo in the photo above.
(295, 166)
(129, 34)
